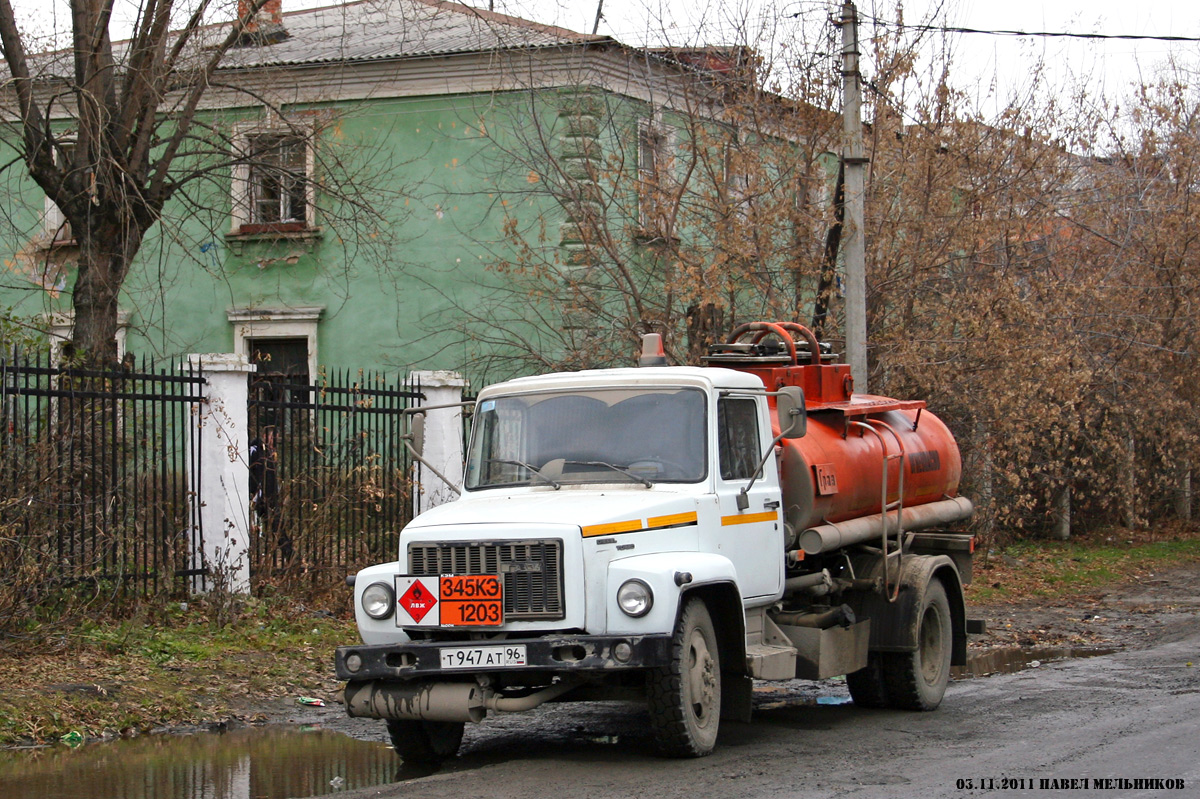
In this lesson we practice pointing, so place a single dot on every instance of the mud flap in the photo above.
(737, 697)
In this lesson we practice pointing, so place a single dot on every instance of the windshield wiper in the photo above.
(615, 468)
(530, 467)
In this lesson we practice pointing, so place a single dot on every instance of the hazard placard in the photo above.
(449, 600)
(417, 601)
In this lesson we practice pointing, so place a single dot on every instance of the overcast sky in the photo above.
(1113, 64)
(982, 60)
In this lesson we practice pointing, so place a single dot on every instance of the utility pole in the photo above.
(854, 239)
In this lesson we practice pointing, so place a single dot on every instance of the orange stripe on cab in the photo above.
(611, 527)
(671, 520)
(749, 518)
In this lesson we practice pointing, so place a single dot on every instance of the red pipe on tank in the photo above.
(783, 331)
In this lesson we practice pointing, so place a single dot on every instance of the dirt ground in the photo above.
(1121, 616)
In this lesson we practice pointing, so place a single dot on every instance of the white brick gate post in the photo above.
(443, 438)
(221, 424)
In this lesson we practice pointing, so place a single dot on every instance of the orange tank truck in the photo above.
(672, 534)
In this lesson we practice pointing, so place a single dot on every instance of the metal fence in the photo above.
(95, 484)
(330, 473)
(100, 478)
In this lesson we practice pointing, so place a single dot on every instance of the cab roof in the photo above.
(705, 377)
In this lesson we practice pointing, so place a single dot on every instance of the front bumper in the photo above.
(559, 653)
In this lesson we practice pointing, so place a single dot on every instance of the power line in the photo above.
(1044, 34)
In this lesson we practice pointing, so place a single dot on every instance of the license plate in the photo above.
(451, 600)
(471, 657)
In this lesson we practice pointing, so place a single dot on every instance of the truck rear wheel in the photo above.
(684, 697)
(917, 680)
(425, 741)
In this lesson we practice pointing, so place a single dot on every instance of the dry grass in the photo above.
(1041, 570)
(170, 667)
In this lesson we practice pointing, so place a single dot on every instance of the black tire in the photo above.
(684, 698)
(425, 741)
(866, 685)
(917, 680)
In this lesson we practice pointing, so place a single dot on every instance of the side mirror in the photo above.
(793, 416)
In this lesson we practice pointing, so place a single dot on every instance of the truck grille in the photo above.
(531, 571)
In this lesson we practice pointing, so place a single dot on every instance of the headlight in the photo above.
(635, 598)
(378, 600)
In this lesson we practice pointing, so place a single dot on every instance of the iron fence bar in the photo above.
(348, 387)
(104, 395)
(141, 552)
(67, 371)
(85, 457)
(354, 429)
(159, 481)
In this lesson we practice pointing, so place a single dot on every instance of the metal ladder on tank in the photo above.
(886, 507)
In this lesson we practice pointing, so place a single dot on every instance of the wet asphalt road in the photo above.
(1130, 715)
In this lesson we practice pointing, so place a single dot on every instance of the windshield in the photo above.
(638, 436)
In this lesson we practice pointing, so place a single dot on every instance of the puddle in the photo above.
(1011, 659)
(252, 763)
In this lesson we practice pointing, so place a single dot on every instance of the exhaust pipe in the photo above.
(444, 701)
(440, 701)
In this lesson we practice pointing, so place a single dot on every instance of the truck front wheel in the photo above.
(425, 741)
(684, 697)
(917, 680)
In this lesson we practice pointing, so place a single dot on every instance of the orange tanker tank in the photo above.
(833, 477)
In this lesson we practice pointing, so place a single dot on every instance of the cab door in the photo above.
(751, 537)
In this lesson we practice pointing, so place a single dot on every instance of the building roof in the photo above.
(364, 30)
(370, 30)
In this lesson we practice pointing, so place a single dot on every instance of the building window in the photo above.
(655, 142)
(56, 226)
(273, 188)
(278, 179)
(737, 181)
(257, 327)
